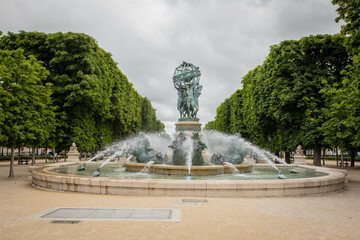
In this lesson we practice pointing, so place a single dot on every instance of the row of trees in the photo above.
(62, 88)
(306, 92)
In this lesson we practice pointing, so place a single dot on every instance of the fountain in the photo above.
(187, 157)
(189, 163)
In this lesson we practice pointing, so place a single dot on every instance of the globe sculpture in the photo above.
(186, 81)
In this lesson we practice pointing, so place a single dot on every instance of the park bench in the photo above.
(51, 159)
(22, 160)
(338, 163)
(57, 158)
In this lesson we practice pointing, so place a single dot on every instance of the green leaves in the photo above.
(27, 116)
(349, 11)
(344, 98)
(90, 95)
(149, 122)
(282, 100)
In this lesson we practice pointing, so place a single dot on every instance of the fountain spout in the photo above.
(82, 167)
(147, 167)
(232, 167)
(281, 176)
(96, 173)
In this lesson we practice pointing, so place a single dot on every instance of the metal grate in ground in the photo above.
(65, 221)
(189, 202)
(114, 214)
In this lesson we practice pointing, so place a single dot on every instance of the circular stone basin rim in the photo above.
(332, 182)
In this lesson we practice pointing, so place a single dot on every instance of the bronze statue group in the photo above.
(186, 81)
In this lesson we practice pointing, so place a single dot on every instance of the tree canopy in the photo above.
(26, 114)
(345, 99)
(91, 97)
(282, 103)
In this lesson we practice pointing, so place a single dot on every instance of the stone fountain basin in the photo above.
(334, 180)
(183, 170)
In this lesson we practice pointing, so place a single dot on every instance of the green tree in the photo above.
(92, 97)
(229, 117)
(210, 125)
(222, 119)
(43, 123)
(345, 98)
(349, 11)
(282, 103)
(257, 116)
(149, 122)
(298, 71)
(237, 124)
(24, 99)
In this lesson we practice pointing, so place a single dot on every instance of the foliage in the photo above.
(332, 158)
(229, 116)
(349, 11)
(91, 96)
(282, 104)
(149, 122)
(26, 116)
(345, 99)
(29, 157)
(25, 100)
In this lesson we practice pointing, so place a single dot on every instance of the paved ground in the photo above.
(330, 216)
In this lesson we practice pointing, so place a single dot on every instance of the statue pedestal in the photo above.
(73, 154)
(299, 157)
(188, 127)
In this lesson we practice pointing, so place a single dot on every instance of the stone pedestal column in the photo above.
(73, 154)
(299, 157)
(188, 127)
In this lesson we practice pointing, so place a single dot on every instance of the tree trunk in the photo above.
(287, 157)
(352, 155)
(46, 155)
(11, 173)
(33, 155)
(19, 155)
(342, 160)
(337, 156)
(53, 151)
(317, 155)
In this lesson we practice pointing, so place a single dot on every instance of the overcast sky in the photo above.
(150, 38)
